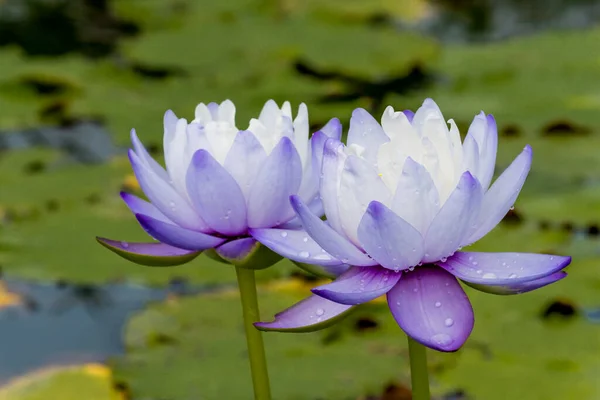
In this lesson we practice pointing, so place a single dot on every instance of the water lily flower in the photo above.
(220, 183)
(402, 199)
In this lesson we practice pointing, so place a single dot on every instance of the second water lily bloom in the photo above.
(221, 182)
(402, 199)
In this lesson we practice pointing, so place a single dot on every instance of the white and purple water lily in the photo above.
(401, 200)
(221, 182)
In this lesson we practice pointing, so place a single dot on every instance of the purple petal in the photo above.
(502, 195)
(278, 179)
(150, 162)
(164, 197)
(150, 254)
(431, 307)
(236, 249)
(139, 206)
(333, 129)
(334, 159)
(518, 288)
(409, 115)
(331, 241)
(323, 271)
(177, 236)
(502, 268)
(296, 245)
(484, 131)
(309, 315)
(247, 253)
(359, 285)
(389, 239)
(453, 221)
(216, 195)
(416, 199)
(366, 132)
(360, 184)
(244, 159)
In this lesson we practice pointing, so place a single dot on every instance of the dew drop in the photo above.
(479, 271)
(512, 208)
(438, 304)
(475, 263)
(444, 259)
(489, 275)
(345, 260)
(551, 258)
(414, 250)
(449, 322)
(415, 290)
(470, 258)
(125, 244)
(284, 234)
(305, 239)
(442, 339)
(320, 312)
(411, 268)
(512, 276)
(304, 254)
(172, 205)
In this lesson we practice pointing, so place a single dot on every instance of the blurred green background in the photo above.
(77, 75)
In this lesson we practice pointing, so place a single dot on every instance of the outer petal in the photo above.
(177, 236)
(366, 132)
(139, 206)
(296, 245)
(150, 254)
(359, 285)
(309, 189)
(360, 184)
(331, 241)
(164, 197)
(484, 131)
(278, 179)
(247, 253)
(334, 159)
(432, 308)
(416, 199)
(498, 269)
(502, 195)
(142, 153)
(309, 315)
(244, 160)
(518, 288)
(389, 239)
(216, 195)
(452, 223)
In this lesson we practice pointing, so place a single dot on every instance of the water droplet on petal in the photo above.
(444, 259)
(442, 339)
(172, 205)
(320, 312)
(489, 275)
(512, 276)
(470, 258)
(438, 304)
(305, 239)
(304, 254)
(449, 322)
(415, 290)
(551, 258)
(284, 234)
(479, 271)
(345, 260)
(125, 244)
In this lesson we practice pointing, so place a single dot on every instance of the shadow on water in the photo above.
(490, 20)
(64, 324)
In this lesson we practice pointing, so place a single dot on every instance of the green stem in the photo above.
(256, 348)
(418, 370)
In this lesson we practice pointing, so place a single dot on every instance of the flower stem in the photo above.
(418, 370)
(256, 349)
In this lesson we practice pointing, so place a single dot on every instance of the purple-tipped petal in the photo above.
(177, 236)
(164, 197)
(432, 308)
(216, 195)
(334, 159)
(501, 196)
(359, 285)
(331, 241)
(416, 199)
(360, 184)
(295, 245)
(409, 115)
(453, 221)
(278, 179)
(244, 159)
(497, 269)
(247, 253)
(149, 254)
(333, 129)
(146, 158)
(366, 132)
(390, 240)
(236, 249)
(518, 288)
(311, 314)
(139, 206)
